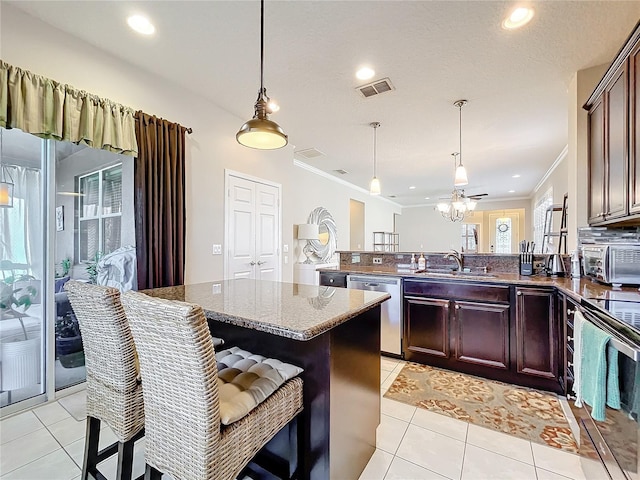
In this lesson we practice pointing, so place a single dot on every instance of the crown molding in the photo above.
(558, 161)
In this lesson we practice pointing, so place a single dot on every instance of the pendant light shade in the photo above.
(460, 179)
(374, 186)
(260, 132)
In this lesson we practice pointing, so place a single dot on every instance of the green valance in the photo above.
(49, 109)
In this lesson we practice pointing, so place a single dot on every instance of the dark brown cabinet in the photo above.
(537, 333)
(634, 130)
(481, 333)
(614, 191)
(500, 332)
(427, 327)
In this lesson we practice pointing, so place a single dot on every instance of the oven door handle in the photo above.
(622, 346)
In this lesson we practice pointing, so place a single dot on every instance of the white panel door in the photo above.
(253, 229)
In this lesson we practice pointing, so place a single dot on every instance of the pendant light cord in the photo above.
(460, 137)
(261, 46)
(375, 141)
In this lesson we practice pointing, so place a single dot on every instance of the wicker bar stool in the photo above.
(114, 392)
(185, 436)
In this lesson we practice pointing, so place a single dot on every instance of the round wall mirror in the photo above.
(325, 247)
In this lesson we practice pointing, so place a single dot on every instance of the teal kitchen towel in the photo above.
(594, 369)
(613, 387)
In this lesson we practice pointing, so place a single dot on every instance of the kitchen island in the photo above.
(333, 333)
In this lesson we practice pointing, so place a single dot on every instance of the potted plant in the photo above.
(12, 297)
(92, 268)
(69, 349)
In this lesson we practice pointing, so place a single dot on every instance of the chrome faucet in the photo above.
(457, 256)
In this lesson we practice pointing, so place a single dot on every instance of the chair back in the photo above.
(179, 373)
(114, 393)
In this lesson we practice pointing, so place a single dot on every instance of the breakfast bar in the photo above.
(332, 333)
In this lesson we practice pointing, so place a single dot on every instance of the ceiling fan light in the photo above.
(374, 187)
(471, 204)
(261, 134)
(461, 176)
(443, 207)
(459, 205)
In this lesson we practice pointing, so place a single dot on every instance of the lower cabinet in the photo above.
(500, 332)
(427, 327)
(481, 333)
(537, 333)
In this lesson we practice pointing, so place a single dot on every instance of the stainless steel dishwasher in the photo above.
(391, 310)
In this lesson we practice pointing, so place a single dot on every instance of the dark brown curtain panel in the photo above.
(159, 202)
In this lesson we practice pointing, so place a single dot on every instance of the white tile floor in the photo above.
(415, 444)
(47, 443)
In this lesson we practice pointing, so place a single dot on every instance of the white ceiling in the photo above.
(434, 52)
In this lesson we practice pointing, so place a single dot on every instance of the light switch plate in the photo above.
(285, 248)
(217, 249)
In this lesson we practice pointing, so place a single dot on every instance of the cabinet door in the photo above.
(634, 130)
(427, 326)
(596, 163)
(481, 332)
(536, 333)
(616, 187)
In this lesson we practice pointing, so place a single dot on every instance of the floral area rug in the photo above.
(523, 412)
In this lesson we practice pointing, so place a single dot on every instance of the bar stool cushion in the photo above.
(245, 380)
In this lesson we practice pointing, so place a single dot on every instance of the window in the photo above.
(100, 212)
(539, 214)
(470, 237)
(503, 235)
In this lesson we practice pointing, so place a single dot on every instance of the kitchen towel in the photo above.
(578, 321)
(593, 369)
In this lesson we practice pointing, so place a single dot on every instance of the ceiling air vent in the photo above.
(341, 171)
(376, 88)
(309, 153)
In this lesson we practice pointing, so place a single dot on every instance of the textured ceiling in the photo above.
(433, 52)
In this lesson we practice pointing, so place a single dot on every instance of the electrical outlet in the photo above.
(217, 249)
(217, 288)
(538, 265)
(377, 260)
(355, 258)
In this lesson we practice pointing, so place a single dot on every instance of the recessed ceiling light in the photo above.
(512, 191)
(426, 198)
(141, 24)
(412, 187)
(518, 18)
(517, 175)
(365, 73)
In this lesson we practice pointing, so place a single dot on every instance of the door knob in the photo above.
(252, 263)
(260, 262)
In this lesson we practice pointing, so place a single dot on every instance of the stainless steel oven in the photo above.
(609, 449)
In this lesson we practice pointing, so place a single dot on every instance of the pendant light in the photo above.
(460, 179)
(374, 187)
(260, 132)
(6, 181)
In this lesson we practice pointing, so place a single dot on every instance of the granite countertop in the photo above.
(289, 310)
(582, 288)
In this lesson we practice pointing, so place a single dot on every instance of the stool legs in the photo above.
(93, 456)
(151, 473)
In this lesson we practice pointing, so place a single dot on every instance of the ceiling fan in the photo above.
(476, 196)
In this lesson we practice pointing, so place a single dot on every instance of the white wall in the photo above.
(33, 45)
(423, 229)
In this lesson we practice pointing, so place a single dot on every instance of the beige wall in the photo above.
(356, 223)
(38, 47)
(582, 85)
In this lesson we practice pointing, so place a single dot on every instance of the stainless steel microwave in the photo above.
(614, 264)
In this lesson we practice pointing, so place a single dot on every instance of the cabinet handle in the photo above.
(571, 397)
(569, 339)
(457, 307)
(260, 262)
(252, 263)
(446, 305)
(519, 292)
(570, 364)
(570, 312)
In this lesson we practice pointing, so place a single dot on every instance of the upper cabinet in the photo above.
(614, 192)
